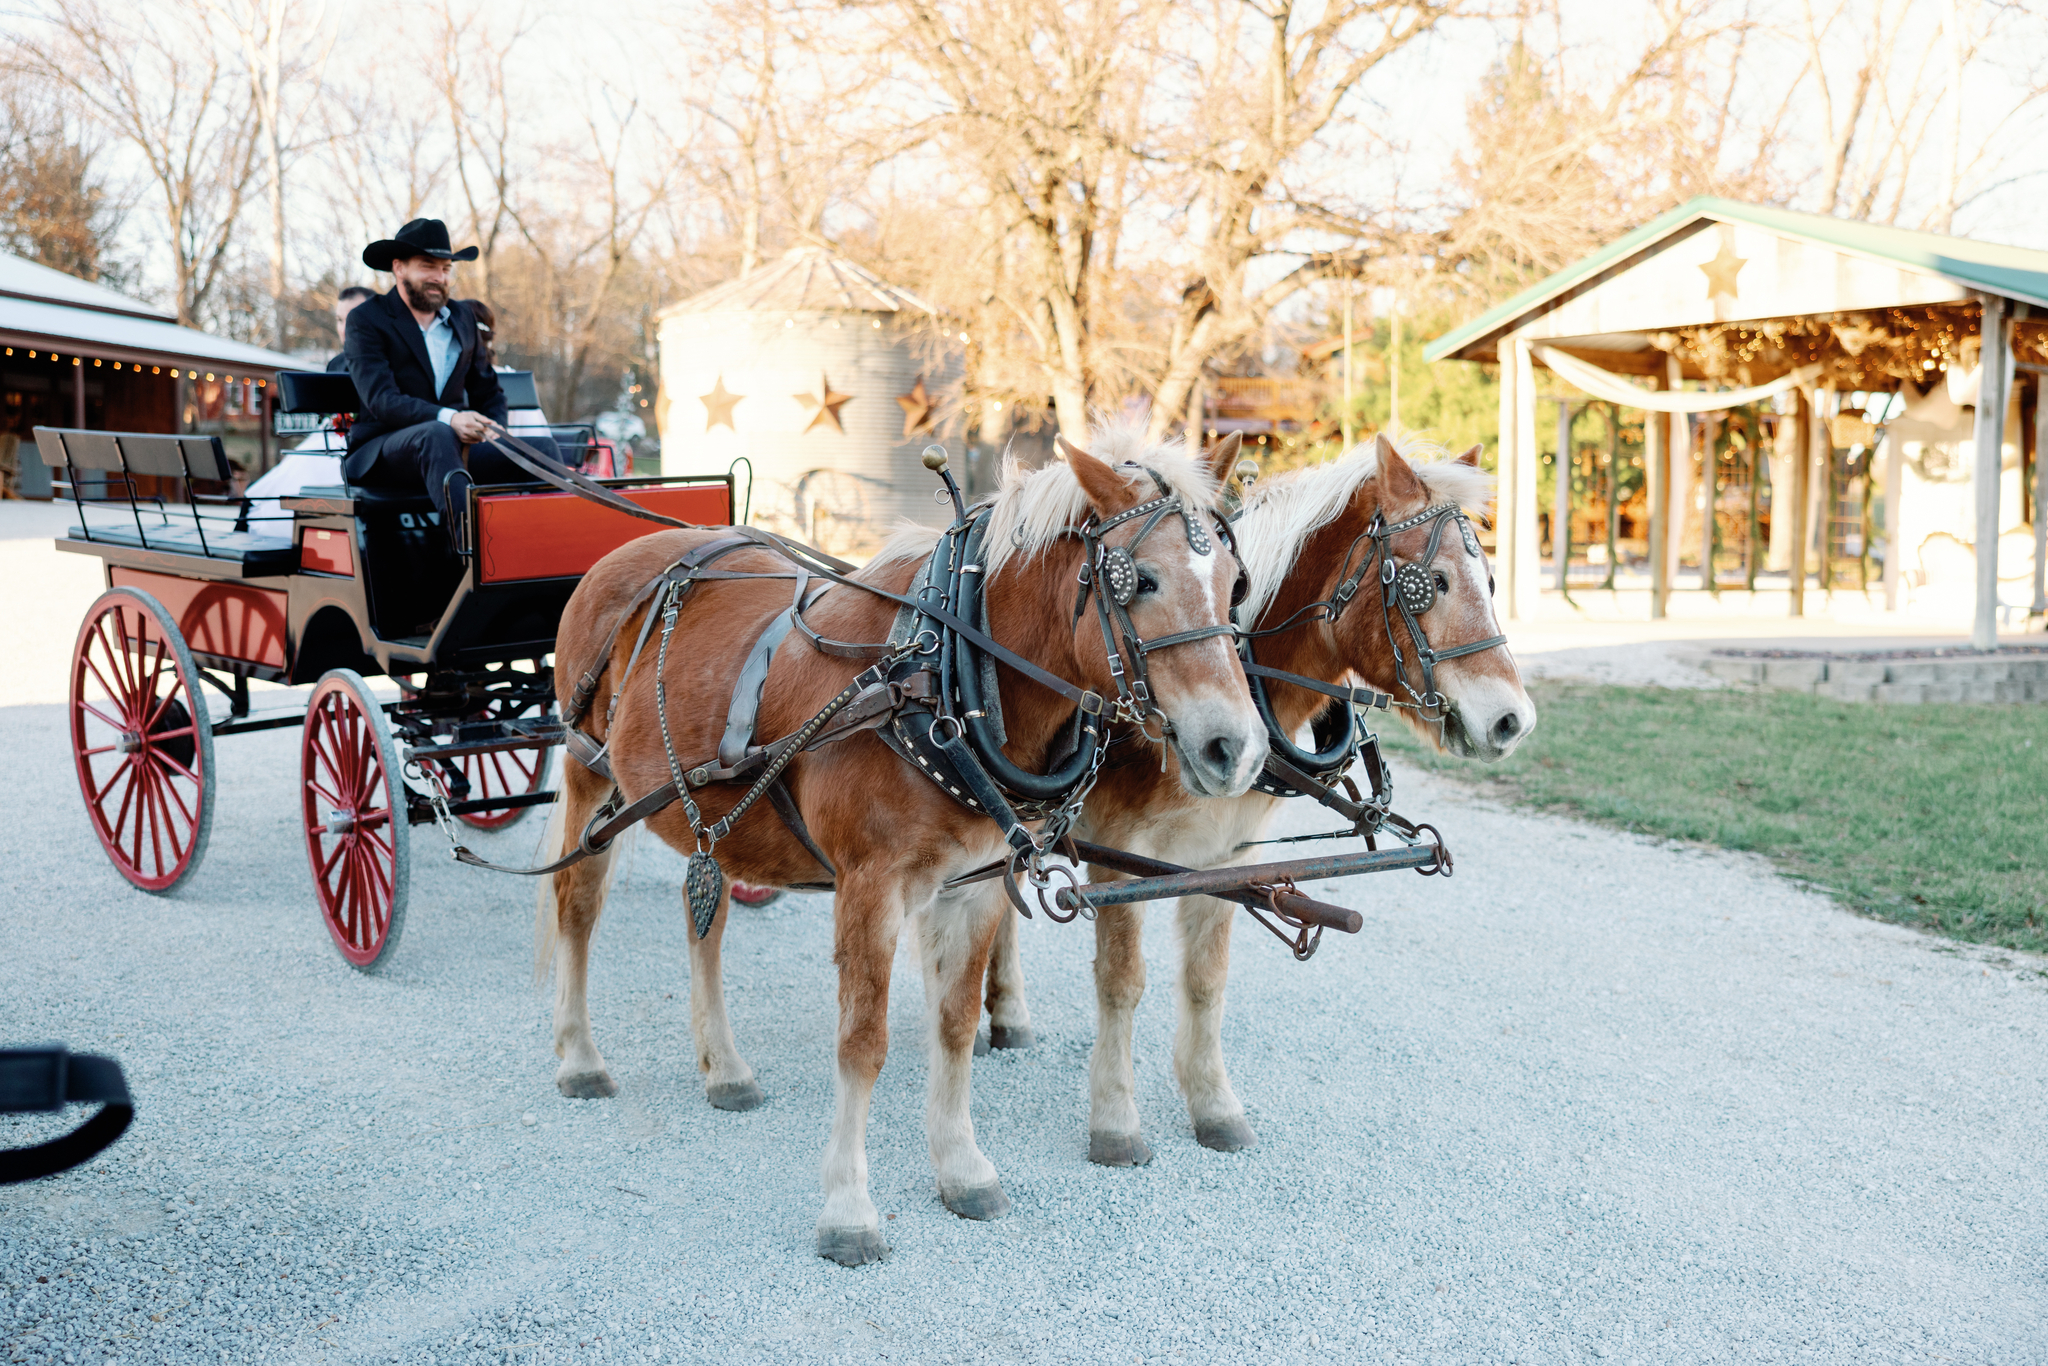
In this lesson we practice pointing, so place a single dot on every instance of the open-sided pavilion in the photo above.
(1720, 303)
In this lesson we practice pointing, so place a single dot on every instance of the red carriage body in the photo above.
(339, 586)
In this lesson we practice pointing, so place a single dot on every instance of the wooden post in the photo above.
(2040, 603)
(1561, 500)
(1824, 515)
(1657, 472)
(1894, 521)
(1504, 482)
(1681, 471)
(1802, 474)
(1528, 552)
(1614, 488)
(78, 392)
(1753, 430)
(263, 434)
(1990, 452)
(1711, 427)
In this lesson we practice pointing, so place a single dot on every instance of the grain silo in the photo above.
(830, 381)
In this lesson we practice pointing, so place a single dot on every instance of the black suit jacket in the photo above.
(387, 359)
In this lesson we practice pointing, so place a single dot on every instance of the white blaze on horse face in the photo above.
(1218, 737)
(1488, 711)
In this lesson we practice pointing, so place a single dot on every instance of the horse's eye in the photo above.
(1489, 585)
(1443, 585)
(1146, 582)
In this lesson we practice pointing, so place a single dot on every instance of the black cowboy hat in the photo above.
(421, 237)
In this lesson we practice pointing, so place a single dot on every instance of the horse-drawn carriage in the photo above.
(209, 593)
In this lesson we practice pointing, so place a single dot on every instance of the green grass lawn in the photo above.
(1934, 816)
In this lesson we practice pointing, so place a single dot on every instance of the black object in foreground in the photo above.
(46, 1079)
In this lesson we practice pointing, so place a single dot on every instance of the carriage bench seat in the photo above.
(257, 552)
(128, 517)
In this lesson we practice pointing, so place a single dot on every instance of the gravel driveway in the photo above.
(1594, 1099)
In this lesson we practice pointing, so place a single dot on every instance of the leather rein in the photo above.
(920, 672)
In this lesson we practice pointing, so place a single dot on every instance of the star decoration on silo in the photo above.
(917, 409)
(826, 403)
(718, 405)
(1722, 270)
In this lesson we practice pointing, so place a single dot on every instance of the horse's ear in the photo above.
(1396, 478)
(1105, 488)
(1221, 456)
(1470, 457)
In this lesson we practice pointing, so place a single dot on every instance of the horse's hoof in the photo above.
(981, 1043)
(587, 1085)
(734, 1095)
(1117, 1150)
(983, 1203)
(852, 1246)
(1011, 1036)
(1225, 1135)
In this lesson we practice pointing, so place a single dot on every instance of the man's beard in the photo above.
(424, 295)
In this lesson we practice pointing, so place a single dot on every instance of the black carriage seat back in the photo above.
(101, 468)
(332, 391)
(520, 391)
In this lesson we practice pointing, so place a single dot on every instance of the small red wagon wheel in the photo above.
(355, 818)
(142, 740)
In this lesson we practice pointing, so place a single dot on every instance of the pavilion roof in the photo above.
(2016, 273)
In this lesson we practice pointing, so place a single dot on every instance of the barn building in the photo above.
(1911, 362)
(78, 354)
(826, 380)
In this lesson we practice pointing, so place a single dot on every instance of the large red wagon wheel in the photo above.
(353, 800)
(141, 739)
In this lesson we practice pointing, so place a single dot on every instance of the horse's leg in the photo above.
(579, 898)
(1113, 1137)
(954, 934)
(867, 917)
(1198, 1032)
(728, 1081)
(1009, 1017)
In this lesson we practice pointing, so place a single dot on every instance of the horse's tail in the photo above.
(555, 841)
(546, 924)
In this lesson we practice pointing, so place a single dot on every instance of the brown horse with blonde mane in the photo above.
(1300, 535)
(891, 835)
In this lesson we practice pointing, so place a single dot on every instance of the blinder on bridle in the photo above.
(1410, 588)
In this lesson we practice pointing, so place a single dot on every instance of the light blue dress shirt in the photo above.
(443, 351)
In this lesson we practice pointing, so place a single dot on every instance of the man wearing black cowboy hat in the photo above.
(424, 380)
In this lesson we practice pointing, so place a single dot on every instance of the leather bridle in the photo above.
(1409, 588)
(1114, 571)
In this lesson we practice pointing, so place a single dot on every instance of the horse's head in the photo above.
(1152, 624)
(1338, 549)
(1444, 573)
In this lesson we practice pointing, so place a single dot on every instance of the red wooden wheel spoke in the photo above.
(170, 789)
(103, 718)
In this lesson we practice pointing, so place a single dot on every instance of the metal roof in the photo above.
(805, 280)
(44, 308)
(2014, 272)
(21, 278)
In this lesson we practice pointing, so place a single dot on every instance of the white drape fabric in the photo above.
(1619, 389)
